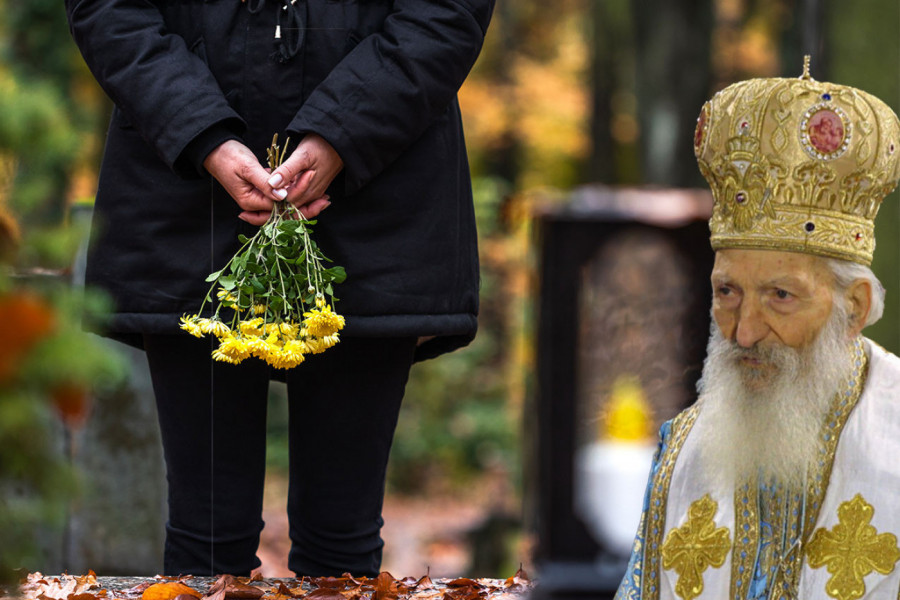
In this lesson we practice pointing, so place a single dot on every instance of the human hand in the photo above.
(235, 167)
(307, 173)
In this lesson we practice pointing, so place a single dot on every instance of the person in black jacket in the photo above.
(367, 91)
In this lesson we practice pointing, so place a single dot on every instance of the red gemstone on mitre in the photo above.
(859, 236)
(700, 129)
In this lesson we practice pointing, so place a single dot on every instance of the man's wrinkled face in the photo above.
(777, 357)
(767, 301)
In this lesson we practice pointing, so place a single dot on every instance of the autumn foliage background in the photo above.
(565, 93)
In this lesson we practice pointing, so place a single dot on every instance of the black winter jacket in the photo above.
(376, 78)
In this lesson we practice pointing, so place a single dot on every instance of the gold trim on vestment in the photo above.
(659, 495)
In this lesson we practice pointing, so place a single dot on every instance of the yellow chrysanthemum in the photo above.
(284, 359)
(330, 340)
(225, 296)
(295, 347)
(214, 326)
(220, 329)
(314, 346)
(190, 324)
(259, 309)
(220, 356)
(257, 346)
(285, 330)
(251, 327)
(274, 344)
(322, 322)
(233, 348)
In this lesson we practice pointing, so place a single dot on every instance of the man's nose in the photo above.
(751, 325)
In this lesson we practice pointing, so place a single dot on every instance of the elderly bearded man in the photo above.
(783, 480)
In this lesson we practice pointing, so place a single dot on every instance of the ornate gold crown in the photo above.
(797, 164)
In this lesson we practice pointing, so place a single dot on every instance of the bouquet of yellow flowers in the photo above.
(277, 294)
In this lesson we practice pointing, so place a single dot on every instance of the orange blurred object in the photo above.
(72, 402)
(25, 319)
(168, 591)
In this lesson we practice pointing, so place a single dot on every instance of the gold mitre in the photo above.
(797, 165)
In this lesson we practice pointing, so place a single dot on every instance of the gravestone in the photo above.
(624, 292)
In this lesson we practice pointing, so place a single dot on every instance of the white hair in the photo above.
(846, 272)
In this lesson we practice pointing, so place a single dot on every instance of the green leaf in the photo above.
(337, 274)
(213, 276)
(243, 239)
(289, 226)
(227, 282)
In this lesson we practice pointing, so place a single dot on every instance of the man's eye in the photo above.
(724, 291)
(782, 294)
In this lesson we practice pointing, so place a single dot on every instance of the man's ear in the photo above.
(859, 303)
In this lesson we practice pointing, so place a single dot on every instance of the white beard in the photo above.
(767, 422)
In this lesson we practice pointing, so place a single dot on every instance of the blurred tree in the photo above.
(51, 109)
(525, 103)
(613, 104)
(672, 43)
(862, 49)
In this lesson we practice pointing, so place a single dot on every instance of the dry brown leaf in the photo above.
(329, 582)
(242, 590)
(386, 587)
(64, 587)
(217, 595)
(324, 593)
(137, 590)
(285, 591)
(463, 582)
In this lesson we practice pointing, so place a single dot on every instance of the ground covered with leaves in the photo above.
(384, 587)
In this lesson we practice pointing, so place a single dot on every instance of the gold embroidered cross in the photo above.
(695, 546)
(852, 549)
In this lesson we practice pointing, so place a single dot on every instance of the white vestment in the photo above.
(837, 539)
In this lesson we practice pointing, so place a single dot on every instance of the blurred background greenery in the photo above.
(565, 93)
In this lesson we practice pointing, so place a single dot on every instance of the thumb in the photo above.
(299, 161)
(249, 169)
(254, 173)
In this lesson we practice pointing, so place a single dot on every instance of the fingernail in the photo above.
(275, 180)
(280, 193)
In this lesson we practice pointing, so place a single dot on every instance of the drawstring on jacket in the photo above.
(290, 28)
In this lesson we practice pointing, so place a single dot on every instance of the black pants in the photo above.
(343, 411)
